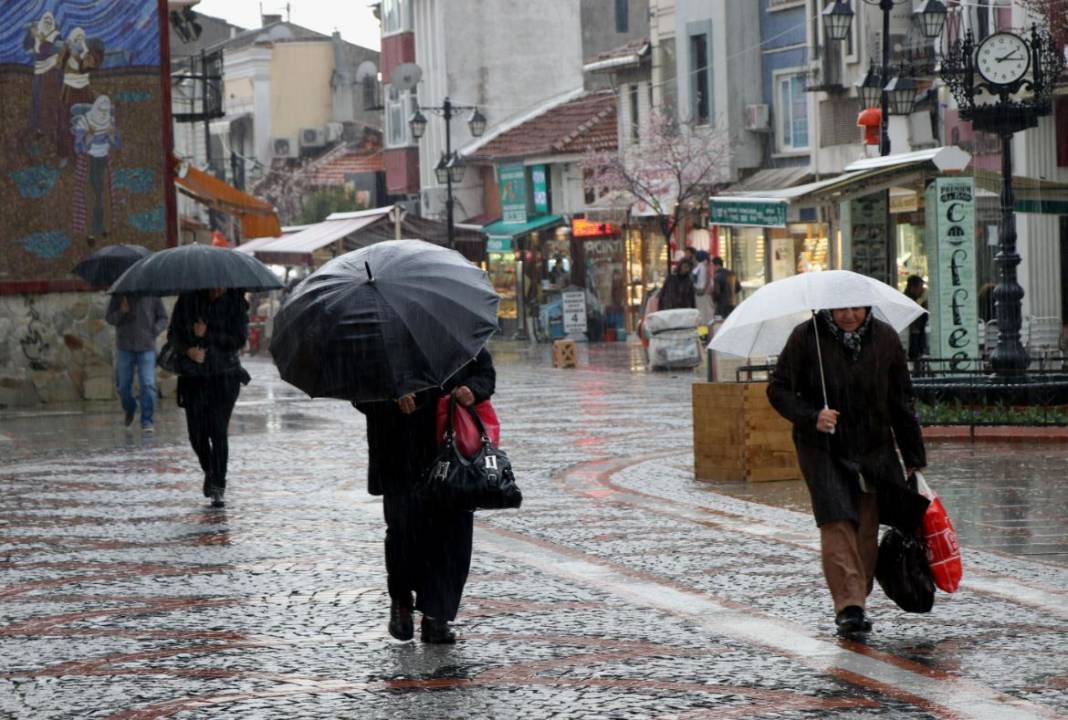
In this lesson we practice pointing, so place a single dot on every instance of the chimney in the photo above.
(266, 20)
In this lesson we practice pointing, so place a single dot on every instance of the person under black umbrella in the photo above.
(208, 329)
(843, 381)
(428, 548)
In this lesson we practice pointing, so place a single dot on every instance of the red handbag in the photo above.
(468, 438)
(943, 550)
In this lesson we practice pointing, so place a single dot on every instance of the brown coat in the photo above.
(874, 396)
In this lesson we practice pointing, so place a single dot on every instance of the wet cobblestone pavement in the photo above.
(621, 589)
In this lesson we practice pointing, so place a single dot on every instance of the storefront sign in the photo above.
(574, 305)
(905, 202)
(868, 236)
(588, 228)
(513, 184)
(499, 244)
(753, 214)
(955, 319)
(539, 180)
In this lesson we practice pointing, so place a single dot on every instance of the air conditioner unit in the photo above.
(312, 137)
(334, 131)
(283, 147)
(757, 118)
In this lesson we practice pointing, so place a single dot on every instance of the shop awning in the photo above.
(1033, 195)
(258, 218)
(501, 234)
(772, 179)
(770, 208)
(298, 248)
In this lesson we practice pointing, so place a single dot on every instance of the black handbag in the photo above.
(485, 482)
(903, 571)
(169, 358)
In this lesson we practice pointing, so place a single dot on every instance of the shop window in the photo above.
(700, 78)
(634, 115)
(396, 16)
(792, 110)
(400, 106)
(622, 16)
(668, 72)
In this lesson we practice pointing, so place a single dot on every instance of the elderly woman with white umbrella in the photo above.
(842, 379)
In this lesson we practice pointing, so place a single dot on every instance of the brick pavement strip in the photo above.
(622, 589)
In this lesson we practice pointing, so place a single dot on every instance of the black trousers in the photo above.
(208, 403)
(428, 552)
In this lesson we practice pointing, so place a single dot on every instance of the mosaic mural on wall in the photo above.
(83, 140)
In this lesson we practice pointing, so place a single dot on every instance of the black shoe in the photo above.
(400, 621)
(852, 621)
(128, 420)
(208, 485)
(217, 497)
(435, 631)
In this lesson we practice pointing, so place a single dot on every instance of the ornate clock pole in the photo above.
(1003, 86)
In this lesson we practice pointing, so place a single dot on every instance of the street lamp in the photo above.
(837, 19)
(450, 168)
(901, 94)
(1003, 85)
(870, 88)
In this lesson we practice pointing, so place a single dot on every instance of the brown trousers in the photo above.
(848, 551)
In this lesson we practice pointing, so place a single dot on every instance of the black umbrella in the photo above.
(103, 267)
(194, 267)
(385, 320)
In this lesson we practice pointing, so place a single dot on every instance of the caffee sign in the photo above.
(956, 336)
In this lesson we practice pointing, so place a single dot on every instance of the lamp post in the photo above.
(897, 94)
(450, 168)
(1003, 85)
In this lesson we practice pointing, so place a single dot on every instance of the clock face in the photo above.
(1003, 58)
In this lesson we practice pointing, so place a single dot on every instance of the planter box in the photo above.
(737, 435)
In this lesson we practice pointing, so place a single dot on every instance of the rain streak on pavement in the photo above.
(621, 589)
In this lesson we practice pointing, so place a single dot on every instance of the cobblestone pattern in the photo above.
(123, 596)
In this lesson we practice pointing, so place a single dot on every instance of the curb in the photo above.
(996, 433)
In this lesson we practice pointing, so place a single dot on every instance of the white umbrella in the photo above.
(763, 322)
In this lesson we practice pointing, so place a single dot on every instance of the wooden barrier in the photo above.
(565, 354)
(737, 435)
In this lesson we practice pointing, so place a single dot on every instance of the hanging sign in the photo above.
(957, 337)
(574, 305)
(513, 185)
(539, 180)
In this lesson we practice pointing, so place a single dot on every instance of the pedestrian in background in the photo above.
(208, 329)
(138, 321)
(917, 292)
(678, 288)
(702, 287)
(725, 288)
(846, 446)
(428, 548)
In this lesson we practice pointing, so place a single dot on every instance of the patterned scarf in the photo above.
(851, 340)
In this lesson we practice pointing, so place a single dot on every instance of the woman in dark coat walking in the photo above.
(847, 449)
(428, 548)
(207, 329)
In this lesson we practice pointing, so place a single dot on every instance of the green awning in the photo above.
(501, 229)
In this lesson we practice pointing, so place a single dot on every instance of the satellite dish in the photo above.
(405, 76)
(365, 70)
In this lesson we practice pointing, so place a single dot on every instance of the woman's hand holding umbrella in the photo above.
(827, 420)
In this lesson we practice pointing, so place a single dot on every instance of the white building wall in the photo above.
(506, 57)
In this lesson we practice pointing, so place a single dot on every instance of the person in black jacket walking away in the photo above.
(207, 329)
(428, 548)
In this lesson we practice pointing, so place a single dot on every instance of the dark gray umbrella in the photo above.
(194, 267)
(383, 321)
(103, 267)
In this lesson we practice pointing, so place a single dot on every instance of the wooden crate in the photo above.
(737, 435)
(565, 354)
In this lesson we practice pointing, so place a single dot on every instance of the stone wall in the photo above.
(57, 348)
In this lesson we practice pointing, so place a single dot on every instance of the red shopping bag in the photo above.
(468, 439)
(943, 550)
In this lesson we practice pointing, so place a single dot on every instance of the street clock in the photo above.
(1003, 58)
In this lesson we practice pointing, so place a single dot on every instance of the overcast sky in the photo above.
(352, 17)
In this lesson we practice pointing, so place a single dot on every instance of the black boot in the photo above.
(217, 497)
(400, 621)
(208, 484)
(435, 631)
(852, 621)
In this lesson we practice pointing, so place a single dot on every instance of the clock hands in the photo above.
(1010, 56)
